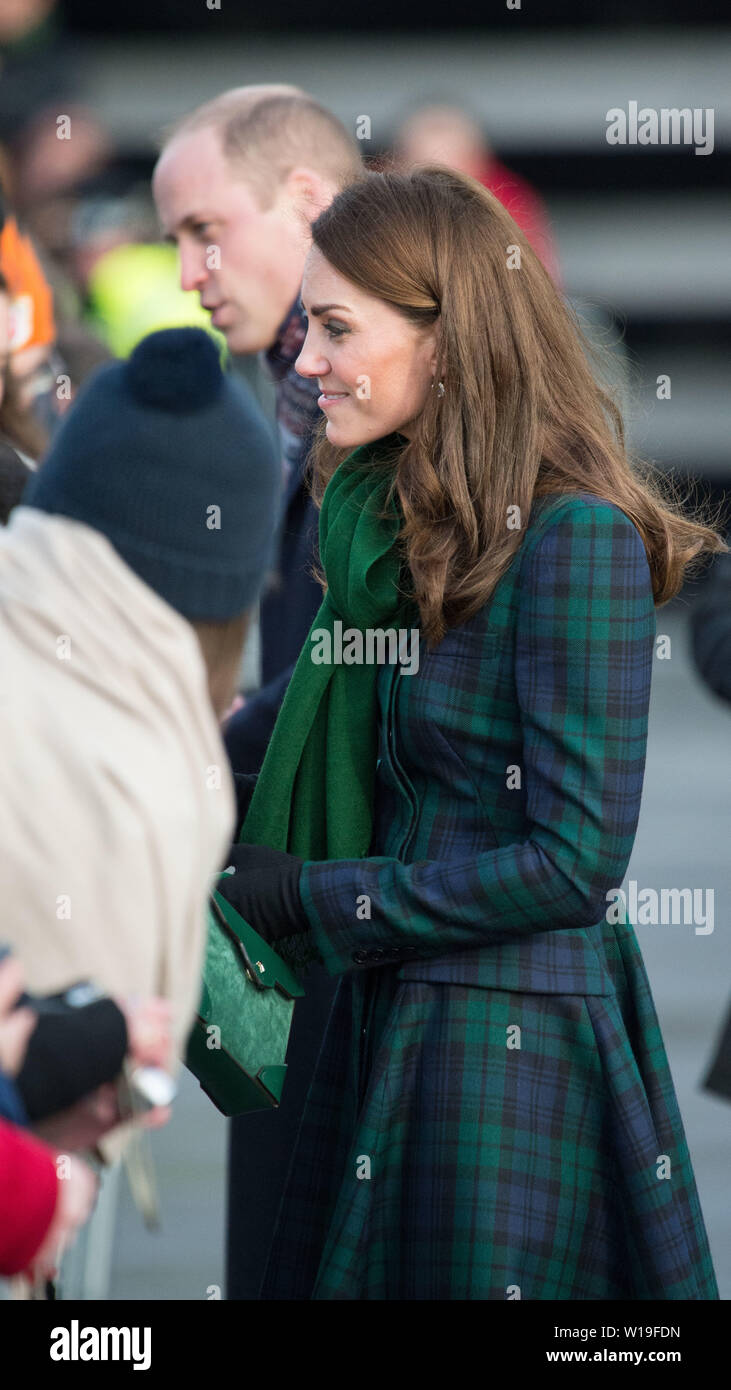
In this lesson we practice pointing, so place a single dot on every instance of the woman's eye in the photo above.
(334, 330)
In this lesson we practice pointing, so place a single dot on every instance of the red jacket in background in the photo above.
(527, 208)
(28, 1193)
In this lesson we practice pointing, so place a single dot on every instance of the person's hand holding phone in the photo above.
(149, 1044)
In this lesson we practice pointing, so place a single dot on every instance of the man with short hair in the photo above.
(238, 184)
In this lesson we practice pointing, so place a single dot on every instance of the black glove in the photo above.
(265, 890)
(75, 1046)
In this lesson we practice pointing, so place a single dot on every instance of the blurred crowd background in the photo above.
(638, 237)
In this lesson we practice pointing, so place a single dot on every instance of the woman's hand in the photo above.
(264, 890)
(16, 1025)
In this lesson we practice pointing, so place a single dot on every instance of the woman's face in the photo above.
(373, 367)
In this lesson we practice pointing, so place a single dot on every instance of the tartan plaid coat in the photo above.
(492, 1115)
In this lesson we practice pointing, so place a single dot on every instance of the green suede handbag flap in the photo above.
(238, 1043)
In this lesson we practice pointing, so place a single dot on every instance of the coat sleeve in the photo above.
(585, 632)
(28, 1193)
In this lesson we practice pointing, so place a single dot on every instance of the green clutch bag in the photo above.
(238, 1043)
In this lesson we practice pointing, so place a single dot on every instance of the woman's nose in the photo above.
(311, 362)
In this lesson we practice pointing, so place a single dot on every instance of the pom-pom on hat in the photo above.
(174, 463)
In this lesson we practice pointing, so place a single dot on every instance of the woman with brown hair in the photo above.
(492, 1115)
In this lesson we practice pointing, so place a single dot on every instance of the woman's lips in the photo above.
(331, 398)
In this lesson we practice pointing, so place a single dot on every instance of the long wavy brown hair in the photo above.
(523, 413)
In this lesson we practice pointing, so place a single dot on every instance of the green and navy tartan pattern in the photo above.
(499, 1171)
(552, 677)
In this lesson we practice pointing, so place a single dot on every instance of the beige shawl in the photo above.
(116, 801)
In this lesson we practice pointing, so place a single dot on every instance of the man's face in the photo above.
(245, 263)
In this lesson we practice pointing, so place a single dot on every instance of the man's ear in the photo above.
(309, 191)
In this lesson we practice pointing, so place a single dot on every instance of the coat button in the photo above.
(377, 953)
(359, 957)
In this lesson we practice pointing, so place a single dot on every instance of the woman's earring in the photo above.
(440, 388)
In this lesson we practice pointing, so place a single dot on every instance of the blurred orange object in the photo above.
(31, 299)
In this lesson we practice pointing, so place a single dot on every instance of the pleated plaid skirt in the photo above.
(469, 1143)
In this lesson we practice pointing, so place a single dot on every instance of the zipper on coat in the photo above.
(372, 978)
(398, 769)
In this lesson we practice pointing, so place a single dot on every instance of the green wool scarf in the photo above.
(314, 794)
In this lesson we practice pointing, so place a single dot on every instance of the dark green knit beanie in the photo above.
(174, 463)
